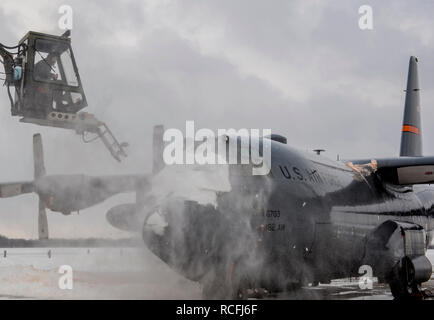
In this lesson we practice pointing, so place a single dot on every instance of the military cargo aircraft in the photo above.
(309, 220)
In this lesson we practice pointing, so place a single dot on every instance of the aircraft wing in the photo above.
(400, 171)
(12, 189)
(123, 183)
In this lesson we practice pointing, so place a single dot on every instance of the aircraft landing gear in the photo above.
(405, 291)
(405, 280)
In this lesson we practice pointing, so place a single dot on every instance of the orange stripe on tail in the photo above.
(406, 128)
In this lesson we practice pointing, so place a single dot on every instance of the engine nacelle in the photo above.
(125, 217)
(397, 244)
(420, 269)
(185, 235)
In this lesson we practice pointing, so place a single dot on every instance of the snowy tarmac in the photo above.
(97, 273)
(130, 273)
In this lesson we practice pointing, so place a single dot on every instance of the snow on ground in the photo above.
(127, 273)
(98, 273)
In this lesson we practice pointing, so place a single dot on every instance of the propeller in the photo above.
(42, 221)
(142, 197)
(39, 171)
(157, 149)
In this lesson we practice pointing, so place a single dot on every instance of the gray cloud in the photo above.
(302, 68)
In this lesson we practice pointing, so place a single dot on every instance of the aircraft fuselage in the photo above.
(309, 220)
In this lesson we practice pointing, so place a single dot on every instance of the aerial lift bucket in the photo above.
(47, 87)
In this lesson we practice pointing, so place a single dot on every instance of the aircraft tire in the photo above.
(401, 285)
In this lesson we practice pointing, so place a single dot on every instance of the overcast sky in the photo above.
(301, 68)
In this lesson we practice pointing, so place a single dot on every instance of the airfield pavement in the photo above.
(131, 273)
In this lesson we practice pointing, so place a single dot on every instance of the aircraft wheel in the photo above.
(240, 293)
(401, 283)
(404, 291)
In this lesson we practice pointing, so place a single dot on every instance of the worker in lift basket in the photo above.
(44, 71)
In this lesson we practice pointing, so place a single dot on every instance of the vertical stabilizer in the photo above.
(411, 138)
